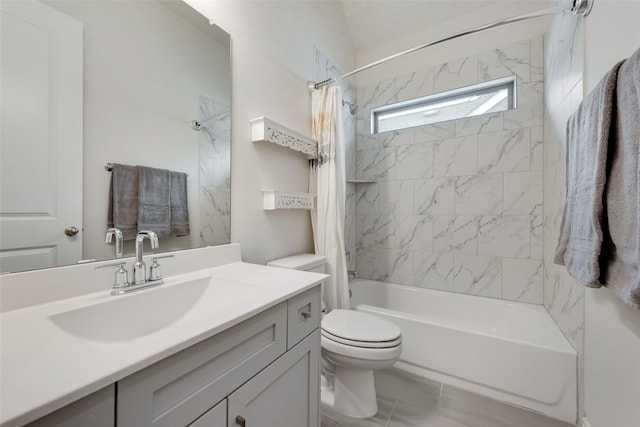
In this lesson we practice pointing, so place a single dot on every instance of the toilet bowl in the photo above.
(353, 345)
(356, 344)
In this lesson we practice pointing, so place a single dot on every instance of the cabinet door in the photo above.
(214, 417)
(284, 394)
(96, 410)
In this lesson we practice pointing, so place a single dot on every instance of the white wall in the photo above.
(272, 60)
(611, 34)
(145, 68)
(612, 360)
(455, 49)
(612, 329)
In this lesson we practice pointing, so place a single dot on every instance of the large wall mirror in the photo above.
(85, 83)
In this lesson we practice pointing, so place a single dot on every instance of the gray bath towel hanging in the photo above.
(154, 210)
(620, 258)
(179, 204)
(600, 233)
(123, 200)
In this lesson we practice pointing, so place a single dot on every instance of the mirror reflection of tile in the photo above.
(215, 172)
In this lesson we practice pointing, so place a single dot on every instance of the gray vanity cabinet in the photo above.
(214, 417)
(95, 410)
(263, 372)
(283, 395)
(179, 389)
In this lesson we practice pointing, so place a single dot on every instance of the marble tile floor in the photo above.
(391, 414)
(407, 401)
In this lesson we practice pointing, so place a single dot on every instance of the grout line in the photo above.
(393, 408)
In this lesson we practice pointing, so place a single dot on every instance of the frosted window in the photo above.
(482, 98)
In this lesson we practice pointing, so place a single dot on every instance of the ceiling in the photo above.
(376, 22)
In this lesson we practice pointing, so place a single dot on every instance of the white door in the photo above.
(40, 137)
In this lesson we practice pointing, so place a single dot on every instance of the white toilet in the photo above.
(354, 344)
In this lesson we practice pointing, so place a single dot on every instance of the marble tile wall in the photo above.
(458, 205)
(563, 296)
(325, 69)
(215, 173)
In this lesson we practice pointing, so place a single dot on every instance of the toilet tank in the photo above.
(305, 262)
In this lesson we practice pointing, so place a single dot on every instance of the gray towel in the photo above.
(179, 204)
(154, 212)
(599, 240)
(620, 256)
(123, 200)
(587, 142)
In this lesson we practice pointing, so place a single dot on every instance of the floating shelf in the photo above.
(263, 129)
(272, 199)
(361, 181)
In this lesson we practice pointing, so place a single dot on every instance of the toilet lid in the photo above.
(359, 328)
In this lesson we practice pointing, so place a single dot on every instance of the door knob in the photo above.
(71, 231)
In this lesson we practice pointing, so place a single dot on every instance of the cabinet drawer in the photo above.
(214, 417)
(177, 390)
(303, 315)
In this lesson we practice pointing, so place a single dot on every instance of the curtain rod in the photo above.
(578, 7)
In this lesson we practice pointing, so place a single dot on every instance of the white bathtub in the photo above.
(508, 351)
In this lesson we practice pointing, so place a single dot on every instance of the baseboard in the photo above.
(585, 422)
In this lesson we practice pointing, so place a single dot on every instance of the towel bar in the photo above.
(108, 166)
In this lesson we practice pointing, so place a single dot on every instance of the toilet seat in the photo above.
(358, 329)
(358, 356)
(363, 344)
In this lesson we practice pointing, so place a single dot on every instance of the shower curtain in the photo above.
(328, 181)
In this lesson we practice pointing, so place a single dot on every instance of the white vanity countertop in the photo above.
(43, 367)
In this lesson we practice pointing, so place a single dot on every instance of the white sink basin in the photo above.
(130, 316)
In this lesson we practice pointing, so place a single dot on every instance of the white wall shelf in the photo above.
(273, 199)
(263, 129)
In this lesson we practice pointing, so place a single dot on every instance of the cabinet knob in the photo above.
(241, 421)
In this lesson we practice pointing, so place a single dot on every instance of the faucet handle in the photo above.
(119, 238)
(154, 270)
(121, 279)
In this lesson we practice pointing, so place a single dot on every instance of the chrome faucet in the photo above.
(139, 268)
(108, 237)
(121, 284)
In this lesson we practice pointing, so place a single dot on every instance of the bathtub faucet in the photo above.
(352, 274)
